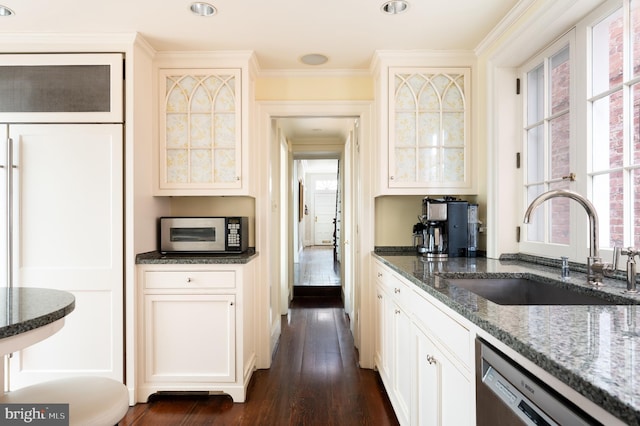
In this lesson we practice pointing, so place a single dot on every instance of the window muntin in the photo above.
(547, 111)
(615, 118)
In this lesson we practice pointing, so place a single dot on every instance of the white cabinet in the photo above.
(424, 356)
(443, 392)
(401, 358)
(200, 129)
(424, 125)
(204, 103)
(429, 128)
(195, 329)
(201, 325)
(62, 88)
(393, 353)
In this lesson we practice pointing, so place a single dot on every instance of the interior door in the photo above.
(68, 231)
(325, 213)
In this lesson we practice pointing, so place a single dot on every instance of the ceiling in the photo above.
(348, 32)
(278, 31)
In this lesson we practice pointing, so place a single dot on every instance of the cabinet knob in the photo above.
(230, 303)
(396, 290)
(238, 178)
(397, 311)
(379, 274)
(188, 279)
(390, 177)
(431, 359)
(379, 296)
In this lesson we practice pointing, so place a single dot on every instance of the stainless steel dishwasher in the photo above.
(507, 394)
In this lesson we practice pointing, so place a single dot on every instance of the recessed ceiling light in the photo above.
(394, 7)
(202, 9)
(5, 11)
(314, 59)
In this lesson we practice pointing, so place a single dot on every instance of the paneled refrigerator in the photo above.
(61, 202)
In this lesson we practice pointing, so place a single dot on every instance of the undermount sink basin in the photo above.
(525, 291)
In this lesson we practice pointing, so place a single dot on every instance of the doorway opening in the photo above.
(317, 263)
(316, 170)
(277, 198)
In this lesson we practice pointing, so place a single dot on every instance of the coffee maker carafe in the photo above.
(434, 218)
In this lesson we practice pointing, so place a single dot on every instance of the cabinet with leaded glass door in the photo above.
(429, 147)
(200, 132)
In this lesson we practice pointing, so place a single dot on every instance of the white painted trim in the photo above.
(503, 26)
(320, 72)
(267, 332)
(547, 22)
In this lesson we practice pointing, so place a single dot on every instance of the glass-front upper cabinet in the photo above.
(200, 131)
(429, 146)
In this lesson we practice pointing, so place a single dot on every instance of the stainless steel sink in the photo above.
(525, 291)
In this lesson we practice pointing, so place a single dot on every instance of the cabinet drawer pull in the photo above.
(431, 359)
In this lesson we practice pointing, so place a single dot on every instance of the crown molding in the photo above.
(59, 42)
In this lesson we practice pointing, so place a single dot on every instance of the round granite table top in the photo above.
(24, 309)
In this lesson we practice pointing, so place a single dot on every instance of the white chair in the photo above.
(93, 401)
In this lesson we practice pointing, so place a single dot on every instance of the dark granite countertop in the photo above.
(157, 258)
(24, 309)
(593, 349)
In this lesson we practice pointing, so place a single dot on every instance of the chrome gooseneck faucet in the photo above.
(595, 267)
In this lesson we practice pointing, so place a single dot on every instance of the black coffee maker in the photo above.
(443, 228)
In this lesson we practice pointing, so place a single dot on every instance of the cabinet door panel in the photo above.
(200, 131)
(190, 338)
(61, 88)
(68, 234)
(457, 401)
(381, 333)
(402, 348)
(427, 404)
(429, 144)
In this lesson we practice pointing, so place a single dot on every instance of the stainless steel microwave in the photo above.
(204, 234)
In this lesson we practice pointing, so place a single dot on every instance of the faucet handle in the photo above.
(630, 251)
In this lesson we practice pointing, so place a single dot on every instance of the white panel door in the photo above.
(325, 213)
(69, 235)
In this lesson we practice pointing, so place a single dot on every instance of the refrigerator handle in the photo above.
(9, 213)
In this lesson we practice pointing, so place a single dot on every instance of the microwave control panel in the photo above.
(237, 233)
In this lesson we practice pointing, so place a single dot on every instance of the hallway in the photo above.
(316, 267)
(314, 380)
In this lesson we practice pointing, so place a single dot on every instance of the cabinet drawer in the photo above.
(449, 333)
(190, 279)
(392, 284)
(380, 272)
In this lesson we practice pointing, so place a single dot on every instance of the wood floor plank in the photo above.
(314, 380)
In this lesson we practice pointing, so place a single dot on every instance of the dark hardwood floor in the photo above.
(314, 380)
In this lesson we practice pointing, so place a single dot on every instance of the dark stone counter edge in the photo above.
(608, 402)
(157, 258)
(37, 322)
